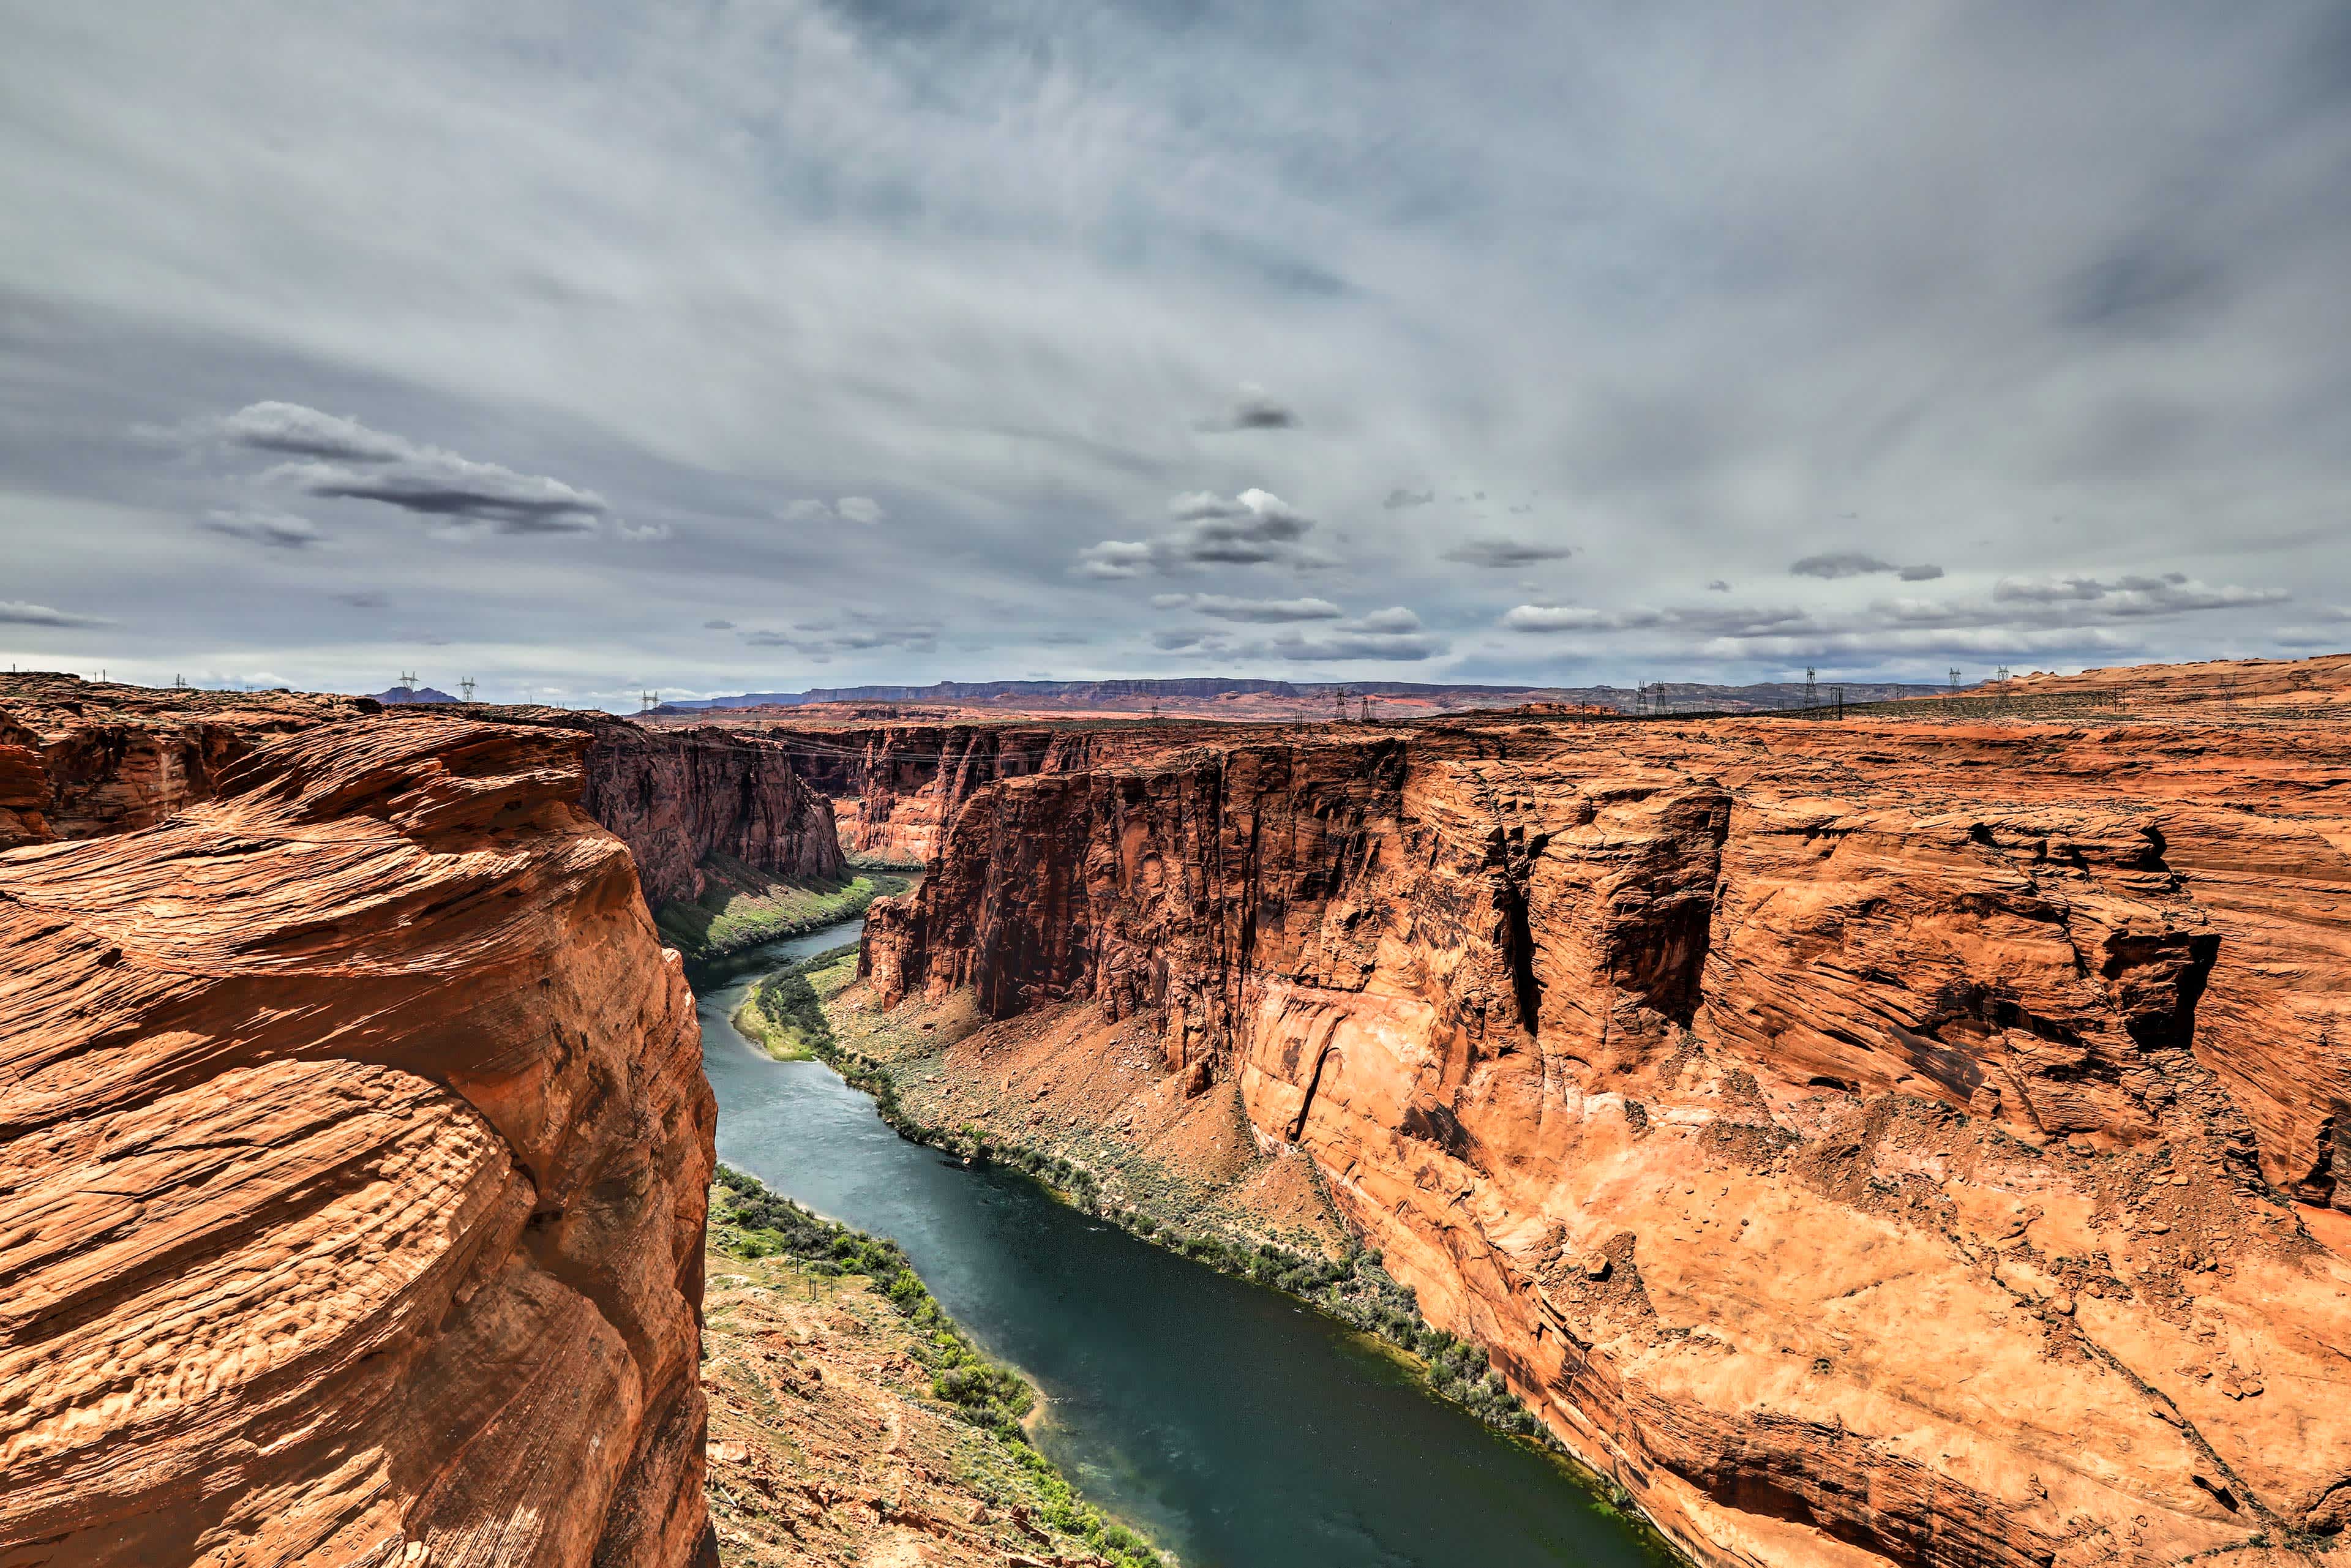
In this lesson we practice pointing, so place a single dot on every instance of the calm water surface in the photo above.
(1236, 1428)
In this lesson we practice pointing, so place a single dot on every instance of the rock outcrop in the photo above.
(353, 1159)
(80, 760)
(1861, 1142)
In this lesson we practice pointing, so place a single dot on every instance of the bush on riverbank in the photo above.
(745, 906)
(747, 1220)
(783, 1012)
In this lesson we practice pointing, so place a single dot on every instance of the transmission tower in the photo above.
(647, 701)
(408, 680)
(1364, 714)
(1339, 699)
(466, 686)
(1812, 689)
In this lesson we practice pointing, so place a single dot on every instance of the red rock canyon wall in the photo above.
(1864, 1141)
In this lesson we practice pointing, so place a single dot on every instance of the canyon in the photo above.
(1912, 1138)
(1919, 1138)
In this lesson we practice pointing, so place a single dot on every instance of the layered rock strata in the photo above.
(1863, 1142)
(353, 1161)
(679, 797)
(895, 786)
(79, 759)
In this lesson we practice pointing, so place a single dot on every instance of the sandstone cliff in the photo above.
(79, 759)
(677, 798)
(1863, 1142)
(897, 785)
(353, 1151)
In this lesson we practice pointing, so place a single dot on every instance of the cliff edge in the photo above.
(1912, 1142)
(353, 1161)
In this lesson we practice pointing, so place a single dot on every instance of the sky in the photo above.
(585, 350)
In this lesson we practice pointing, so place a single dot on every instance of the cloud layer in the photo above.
(886, 333)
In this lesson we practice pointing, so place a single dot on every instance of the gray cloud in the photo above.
(364, 599)
(1224, 607)
(1024, 259)
(1496, 551)
(1254, 409)
(278, 530)
(863, 509)
(17, 612)
(1857, 563)
(718, 625)
(1716, 585)
(1255, 527)
(1393, 635)
(853, 632)
(337, 458)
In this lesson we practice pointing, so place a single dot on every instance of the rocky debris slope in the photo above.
(353, 1163)
(1861, 1142)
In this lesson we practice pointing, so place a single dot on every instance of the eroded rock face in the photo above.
(80, 760)
(353, 1158)
(677, 797)
(1865, 1141)
(897, 786)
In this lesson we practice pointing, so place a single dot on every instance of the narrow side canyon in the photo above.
(1878, 1140)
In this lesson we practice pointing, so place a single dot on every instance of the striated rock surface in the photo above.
(354, 1164)
(679, 797)
(1864, 1141)
(79, 759)
(897, 785)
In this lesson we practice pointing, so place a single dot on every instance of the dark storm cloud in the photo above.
(1495, 552)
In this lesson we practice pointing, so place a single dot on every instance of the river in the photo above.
(1236, 1428)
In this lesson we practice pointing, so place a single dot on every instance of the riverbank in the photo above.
(851, 1420)
(1081, 1106)
(744, 908)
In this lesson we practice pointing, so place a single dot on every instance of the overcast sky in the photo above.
(586, 348)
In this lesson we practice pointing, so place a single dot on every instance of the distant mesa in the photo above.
(411, 694)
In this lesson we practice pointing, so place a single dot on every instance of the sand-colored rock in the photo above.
(353, 1162)
(1862, 1141)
